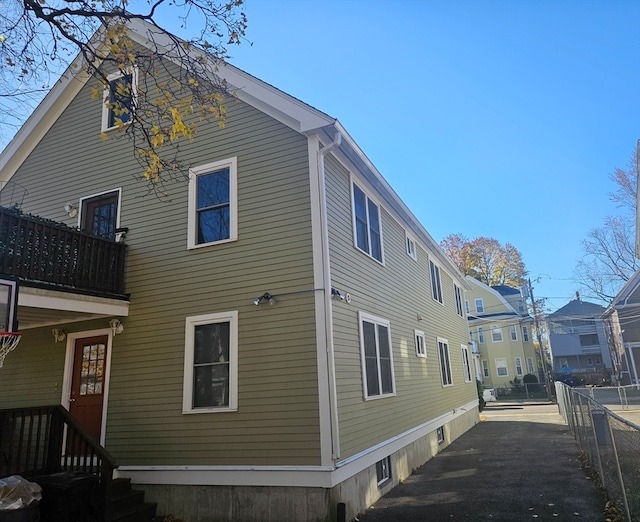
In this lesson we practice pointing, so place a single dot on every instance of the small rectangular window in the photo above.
(496, 333)
(445, 362)
(99, 214)
(518, 364)
(411, 248)
(485, 368)
(383, 470)
(513, 332)
(211, 363)
(377, 359)
(479, 306)
(480, 335)
(521, 308)
(421, 350)
(501, 367)
(458, 293)
(466, 306)
(440, 434)
(213, 203)
(466, 365)
(525, 334)
(436, 287)
(366, 222)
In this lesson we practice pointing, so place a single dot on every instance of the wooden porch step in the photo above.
(128, 505)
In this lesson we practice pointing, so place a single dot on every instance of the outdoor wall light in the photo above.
(58, 335)
(71, 210)
(264, 297)
(116, 326)
(337, 294)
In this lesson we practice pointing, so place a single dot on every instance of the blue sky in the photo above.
(489, 118)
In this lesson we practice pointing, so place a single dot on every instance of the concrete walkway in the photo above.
(521, 463)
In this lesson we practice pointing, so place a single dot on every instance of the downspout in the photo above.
(326, 285)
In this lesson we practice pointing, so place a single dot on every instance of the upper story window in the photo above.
(521, 308)
(366, 223)
(458, 293)
(118, 99)
(211, 363)
(480, 335)
(445, 362)
(485, 368)
(525, 334)
(411, 248)
(377, 359)
(213, 203)
(466, 363)
(513, 332)
(496, 333)
(99, 214)
(466, 306)
(479, 306)
(436, 287)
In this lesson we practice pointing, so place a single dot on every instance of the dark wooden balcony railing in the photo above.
(46, 440)
(45, 252)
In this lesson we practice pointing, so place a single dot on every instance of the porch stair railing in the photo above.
(46, 440)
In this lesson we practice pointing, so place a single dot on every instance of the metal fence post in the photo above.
(615, 454)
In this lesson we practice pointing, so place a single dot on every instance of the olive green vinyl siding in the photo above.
(277, 422)
(398, 292)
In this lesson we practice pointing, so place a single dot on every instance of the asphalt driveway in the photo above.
(521, 463)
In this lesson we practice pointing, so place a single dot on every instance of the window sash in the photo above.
(525, 334)
(485, 368)
(518, 365)
(496, 334)
(513, 332)
(479, 306)
(530, 366)
(377, 357)
(466, 365)
(458, 293)
(501, 367)
(480, 335)
(436, 287)
(367, 225)
(421, 350)
(445, 363)
(124, 98)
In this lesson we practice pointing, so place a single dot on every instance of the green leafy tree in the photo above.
(39, 38)
(486, 260)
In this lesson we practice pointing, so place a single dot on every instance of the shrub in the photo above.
(530, 379)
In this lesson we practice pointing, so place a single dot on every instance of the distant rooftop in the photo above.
(577, 308)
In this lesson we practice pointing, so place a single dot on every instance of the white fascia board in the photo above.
(54, 300)
(487, 288)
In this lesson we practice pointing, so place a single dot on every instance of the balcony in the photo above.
(46, 254)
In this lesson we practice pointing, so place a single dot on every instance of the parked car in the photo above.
(489, 395)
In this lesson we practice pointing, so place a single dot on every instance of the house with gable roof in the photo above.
(500, 333)
(283, 340)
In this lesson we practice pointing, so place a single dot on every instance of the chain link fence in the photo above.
(610, 441)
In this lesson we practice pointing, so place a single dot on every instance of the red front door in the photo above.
(87, 385)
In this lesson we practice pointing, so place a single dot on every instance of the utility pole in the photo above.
(547, 383)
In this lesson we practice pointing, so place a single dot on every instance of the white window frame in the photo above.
(466, 306)
(498, 361)
(440, 434)
(187, 391)
(513, 332)
(383, 471)
(530, 366)
(479, 309)
(466, 363)
(436, 283)
(520, 304)
(517, 361)
(421, 347)
(525, 334)
(376, 321)
(209, 168)
(444, 358)
(106, 95)
(480, 335)
(457, 292)
(485, 369)
(412, 250)
(496, 333)
(368, 200)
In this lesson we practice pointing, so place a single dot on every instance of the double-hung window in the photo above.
(211, 363)
(479, 306)
(436, 287)
(525, 334)
(485, 368)
(421, 350)
(496, 333)
(377, 358)
(530, 367)
(518, 365)
(119, 99)
(458, 293)
(501, 367)
(213, 203)
(480, 335)
(513, 332)
(366, 218)
(411, 248)
(445, 362)
(466, 364)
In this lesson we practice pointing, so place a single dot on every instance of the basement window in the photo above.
(383, 470)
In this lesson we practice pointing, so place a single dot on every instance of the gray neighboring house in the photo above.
(578, 340)
(623, 331)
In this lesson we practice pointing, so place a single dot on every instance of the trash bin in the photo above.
(66, 496)
(19, 500)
